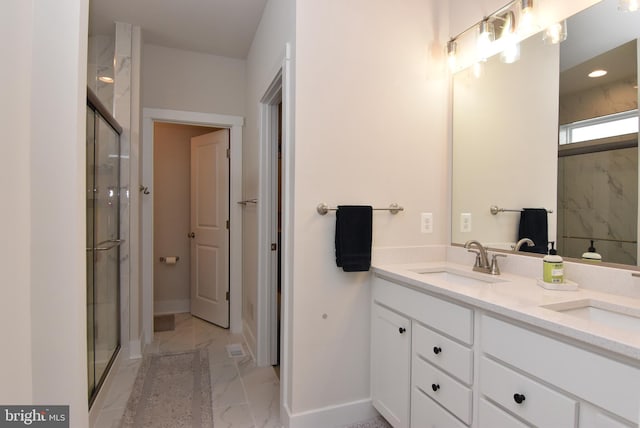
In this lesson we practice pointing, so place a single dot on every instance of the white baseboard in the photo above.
(162, 307)
(136, 346)
(332, 416)
(249, 338)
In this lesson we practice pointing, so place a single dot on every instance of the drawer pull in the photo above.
(518, 398)
(402, 330)
(435, 387)
(437, 350)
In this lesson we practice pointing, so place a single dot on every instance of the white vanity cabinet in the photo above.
(423, 376)
(548, 382)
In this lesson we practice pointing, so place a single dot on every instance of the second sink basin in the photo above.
(599, 312)
(454, 276)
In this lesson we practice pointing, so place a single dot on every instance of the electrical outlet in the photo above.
(426, 222)
(465, 222)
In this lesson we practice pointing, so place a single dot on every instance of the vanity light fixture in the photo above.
(628, 5)
(555, 33)
(452, 48)
(597, 73)
(486, 36)
(105, 79)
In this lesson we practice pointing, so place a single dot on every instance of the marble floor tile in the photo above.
(233, 417)
(243, 395)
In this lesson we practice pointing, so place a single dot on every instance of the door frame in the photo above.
(267, 195)
(234, 124)
(282, 82)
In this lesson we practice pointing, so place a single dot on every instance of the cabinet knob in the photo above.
(437, 350)
(402, 330)
(435, 387)
(518, 398)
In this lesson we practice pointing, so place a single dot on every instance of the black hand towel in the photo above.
(533, 225)
(353, 237)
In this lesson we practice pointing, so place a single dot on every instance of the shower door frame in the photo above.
(100, 111)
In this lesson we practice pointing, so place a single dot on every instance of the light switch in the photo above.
(465, 222)
(426, 222)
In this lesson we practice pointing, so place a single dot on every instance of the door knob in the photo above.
(191, 235)
(518, 398)
(401, 330)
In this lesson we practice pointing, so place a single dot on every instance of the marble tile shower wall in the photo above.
(598, 199)
(122, 113)
(100, 57)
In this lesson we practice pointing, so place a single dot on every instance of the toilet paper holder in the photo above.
(164, 259)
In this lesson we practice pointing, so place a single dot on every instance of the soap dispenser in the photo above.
(552, 267)
(592, 255)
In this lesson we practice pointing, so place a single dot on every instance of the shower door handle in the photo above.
(110, 243)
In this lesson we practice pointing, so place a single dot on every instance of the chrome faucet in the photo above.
(482, 258)
(482, 261)
(521, 242)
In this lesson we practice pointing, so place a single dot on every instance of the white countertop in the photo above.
(520, 298)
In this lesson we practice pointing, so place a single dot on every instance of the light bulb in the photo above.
(555, 33)
(628, 5)
(510, 48)
(511, 51)
(527, 23)
(485, 38)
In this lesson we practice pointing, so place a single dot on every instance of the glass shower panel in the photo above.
(90, 245)
(106, 264)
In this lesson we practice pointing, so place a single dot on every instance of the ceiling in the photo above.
(217, 27)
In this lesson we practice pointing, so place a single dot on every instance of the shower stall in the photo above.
(103, 242)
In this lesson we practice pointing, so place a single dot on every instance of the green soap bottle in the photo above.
(552, 269)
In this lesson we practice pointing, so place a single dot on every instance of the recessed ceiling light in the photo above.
(105, 79)
(597, 73)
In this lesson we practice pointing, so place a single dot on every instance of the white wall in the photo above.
(276, 29)
(371, 128)
(16, 42)
(183, 80)
(58, 200)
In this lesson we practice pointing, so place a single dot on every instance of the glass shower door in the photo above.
(103, 238)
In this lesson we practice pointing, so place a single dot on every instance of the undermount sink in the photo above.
(454, 276)
(599, 312)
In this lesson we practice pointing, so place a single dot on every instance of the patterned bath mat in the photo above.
(171, 391)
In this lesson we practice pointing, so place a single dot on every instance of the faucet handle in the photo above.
(495, 270)
(477, 253)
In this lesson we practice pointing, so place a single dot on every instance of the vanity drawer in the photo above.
(525, 397)
(449, 318)
(441, 387)
(450, 356)
(603, 381)
(493, 417)
(426, 413)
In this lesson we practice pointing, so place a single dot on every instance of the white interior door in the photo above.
(209, 229)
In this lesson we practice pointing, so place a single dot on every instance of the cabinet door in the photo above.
(390, 365)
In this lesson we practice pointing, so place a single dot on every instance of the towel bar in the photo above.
(323, 208)
(495, 210)
(248, 201)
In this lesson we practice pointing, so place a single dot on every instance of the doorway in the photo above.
(148, 258)
(190, 238)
